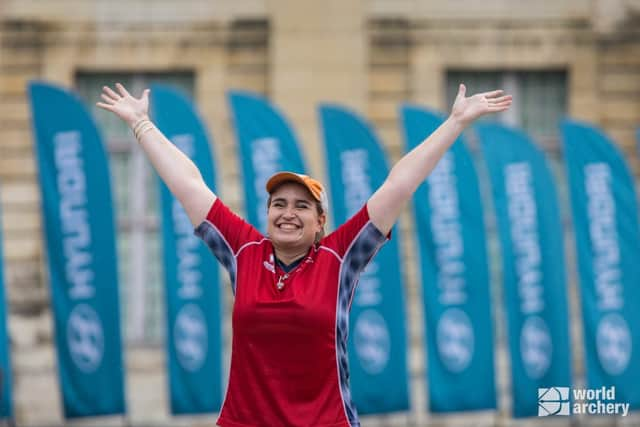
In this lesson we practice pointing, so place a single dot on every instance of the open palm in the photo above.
(468, 109)
(124, 105)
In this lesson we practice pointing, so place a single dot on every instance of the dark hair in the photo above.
(320, 234)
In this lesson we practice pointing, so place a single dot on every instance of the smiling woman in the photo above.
(296, 214)
(293, 288)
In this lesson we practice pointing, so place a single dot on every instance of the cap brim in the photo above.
(315, 188)
(281, 177)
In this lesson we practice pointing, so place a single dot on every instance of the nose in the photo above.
(288, 212)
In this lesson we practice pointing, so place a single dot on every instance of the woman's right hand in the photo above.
(125, 106)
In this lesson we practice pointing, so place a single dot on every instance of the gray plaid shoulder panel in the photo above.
(362, 250)
(220, 248)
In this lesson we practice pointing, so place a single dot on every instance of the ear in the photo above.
(322, 220)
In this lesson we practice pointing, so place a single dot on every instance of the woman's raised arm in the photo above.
(387, 202)
(176, 170)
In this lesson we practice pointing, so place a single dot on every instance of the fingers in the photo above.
(462, 90)
(503, 100)
(493, 93)
(499, 109)
(500, 106)
(494, 107)
(145, 95)
(498, 103)
(106, 90)
(500, 100)
(123, 92)
(108, 107)
(108, 99)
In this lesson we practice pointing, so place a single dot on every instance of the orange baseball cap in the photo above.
(315, 187)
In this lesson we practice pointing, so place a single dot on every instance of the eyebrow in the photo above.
(282, 199)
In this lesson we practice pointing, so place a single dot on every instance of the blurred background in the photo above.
(578, 58)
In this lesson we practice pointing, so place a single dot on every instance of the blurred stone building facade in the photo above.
(370, 55)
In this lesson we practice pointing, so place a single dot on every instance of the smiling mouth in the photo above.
(287, 226)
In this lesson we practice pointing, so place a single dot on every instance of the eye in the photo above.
(277, 204)
(302, 205)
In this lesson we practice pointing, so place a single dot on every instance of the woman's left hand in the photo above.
(466, 110)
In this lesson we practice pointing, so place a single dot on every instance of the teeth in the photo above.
(288, 226)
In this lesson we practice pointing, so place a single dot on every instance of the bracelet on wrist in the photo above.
(142, 126)
(138, 122)
(144, 129)
(136, 127)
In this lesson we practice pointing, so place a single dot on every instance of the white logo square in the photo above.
(553, 401)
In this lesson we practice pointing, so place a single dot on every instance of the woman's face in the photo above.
(293, 218)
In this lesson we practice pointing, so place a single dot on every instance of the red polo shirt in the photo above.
(289, 351)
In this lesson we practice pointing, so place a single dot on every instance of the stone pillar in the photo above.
(606, 15)
(317, 54)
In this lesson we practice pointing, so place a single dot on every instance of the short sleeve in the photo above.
(359, 226)
(235, 230)
(225, 234)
